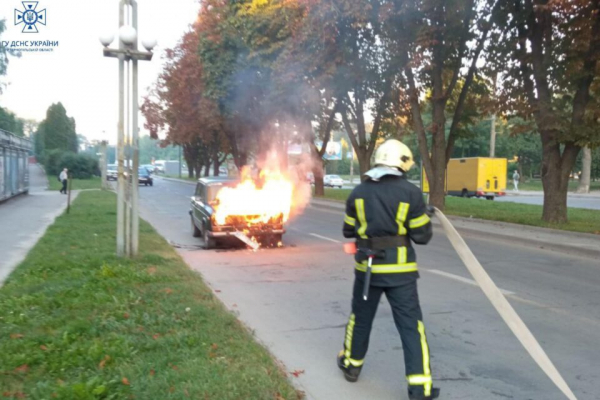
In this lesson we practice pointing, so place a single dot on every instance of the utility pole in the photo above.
(352, 165)
(493, 128)
(103, 163)
(179, 161)
(127, 204)
(493, 137)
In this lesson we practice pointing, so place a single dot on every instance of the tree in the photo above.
(10, 122)
(439, 44)
(4, 53)
(178, 103)
(548, 52)
(58, 130)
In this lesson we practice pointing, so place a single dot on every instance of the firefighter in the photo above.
(385, 214)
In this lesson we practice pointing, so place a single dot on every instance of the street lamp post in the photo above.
(128, 52)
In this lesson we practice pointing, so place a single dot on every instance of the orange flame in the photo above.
(272, 201)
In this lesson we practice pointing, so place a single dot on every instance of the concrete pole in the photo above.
(128, 158)
(135, 222)
(585, 177)
(493, 137)
(103, 162)
(120, 150)
(351, 164)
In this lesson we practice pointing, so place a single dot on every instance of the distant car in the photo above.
(203, 222)
(144, 177)
(159, 166)
(111, 172)
(150, 168)
(333, 181)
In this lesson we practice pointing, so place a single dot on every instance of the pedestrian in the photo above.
(516, 178)
(63, 178)
(384, 214)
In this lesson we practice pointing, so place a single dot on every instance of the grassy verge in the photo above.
(76, 184)
(580, 220)
(536, 185)
(76, 322)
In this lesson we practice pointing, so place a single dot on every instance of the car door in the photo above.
(197, 205)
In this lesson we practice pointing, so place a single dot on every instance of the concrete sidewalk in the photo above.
(24, 219)
(565, 242)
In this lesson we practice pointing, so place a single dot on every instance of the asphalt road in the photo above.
(297, 300)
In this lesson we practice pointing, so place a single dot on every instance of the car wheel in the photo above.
(151, 183)
(276, 239)
(464, 193)
(489, 197)
(208, 242)
(195, 231)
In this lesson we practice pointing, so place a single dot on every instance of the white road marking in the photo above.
(324, 238)
(461, 279)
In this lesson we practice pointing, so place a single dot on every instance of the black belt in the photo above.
(382, 243)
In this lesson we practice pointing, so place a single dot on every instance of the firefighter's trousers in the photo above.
(406, 310)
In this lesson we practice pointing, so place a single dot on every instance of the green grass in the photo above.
(93, 183)
(536, 185)
(76, 322)
(580, 220)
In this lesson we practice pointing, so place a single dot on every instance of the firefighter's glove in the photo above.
(430, 210)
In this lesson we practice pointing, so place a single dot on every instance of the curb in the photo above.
(505, 237)
(176, 180)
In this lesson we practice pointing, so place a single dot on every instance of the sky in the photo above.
(76, 73)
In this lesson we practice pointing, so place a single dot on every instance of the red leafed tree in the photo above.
(178, 106)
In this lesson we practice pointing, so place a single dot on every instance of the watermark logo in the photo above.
(30, 17)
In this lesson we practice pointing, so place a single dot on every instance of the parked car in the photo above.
(333, 181)
(204, 225)
(144, 177)
(111, 172)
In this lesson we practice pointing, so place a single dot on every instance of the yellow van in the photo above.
(477, 177)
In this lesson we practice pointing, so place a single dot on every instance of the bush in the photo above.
(81, 166)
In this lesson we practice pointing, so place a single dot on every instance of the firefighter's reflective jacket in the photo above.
(389, 207)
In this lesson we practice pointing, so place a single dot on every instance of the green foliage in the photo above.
(10, 122)
(77, 322)
(80, 166)
(58, 130)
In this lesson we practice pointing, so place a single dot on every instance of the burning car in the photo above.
(252, 210)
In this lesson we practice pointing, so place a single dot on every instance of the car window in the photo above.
(199, 187)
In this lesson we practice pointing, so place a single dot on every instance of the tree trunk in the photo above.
(555, 178)
(584, 179)
(216, 165)
(364, 162)
(318, 175)
(437, 180)
(207, 168)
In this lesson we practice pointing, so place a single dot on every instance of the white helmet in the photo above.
(394, 153)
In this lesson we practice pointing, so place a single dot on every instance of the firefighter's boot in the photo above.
(351, 372)
(418, 394)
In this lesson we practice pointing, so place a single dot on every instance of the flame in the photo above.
(269, 200)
